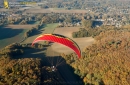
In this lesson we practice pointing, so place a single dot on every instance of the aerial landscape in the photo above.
(65, 42)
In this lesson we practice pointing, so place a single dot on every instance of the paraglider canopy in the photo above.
(59, 39)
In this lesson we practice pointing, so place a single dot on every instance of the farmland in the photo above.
(12, 33)
(15, 33)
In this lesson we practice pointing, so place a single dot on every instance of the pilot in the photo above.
(53, 68)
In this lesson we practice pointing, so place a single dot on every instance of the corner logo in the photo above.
(6, 4)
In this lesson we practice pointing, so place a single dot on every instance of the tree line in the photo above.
(33, 30)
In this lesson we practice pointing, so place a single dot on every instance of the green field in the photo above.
(8, 36)
(48, 28)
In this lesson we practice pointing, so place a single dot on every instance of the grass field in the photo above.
(12, 33)
(11, 36)
(48, 28)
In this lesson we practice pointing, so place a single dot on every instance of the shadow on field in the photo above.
(8, 32)
(32, 22)
(37, 32)
(65, 70)
(43, 26)
(33, 53)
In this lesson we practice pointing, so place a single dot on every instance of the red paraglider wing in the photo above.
(59, 39)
